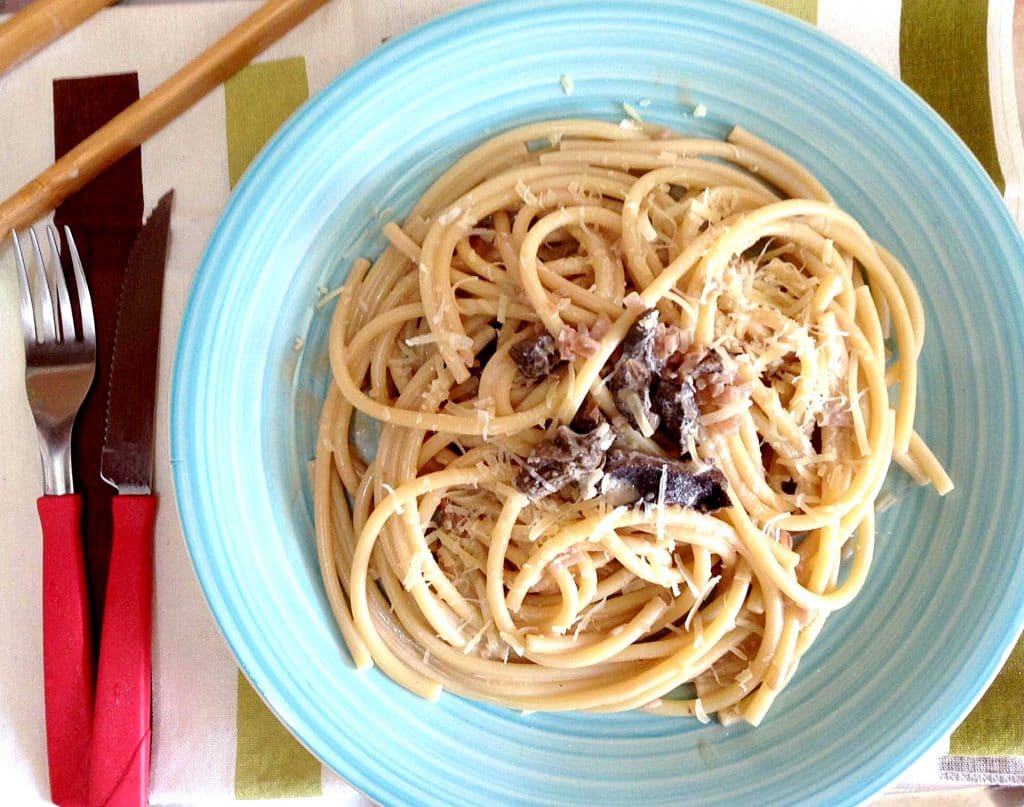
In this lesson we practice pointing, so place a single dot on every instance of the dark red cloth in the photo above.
(105, 217)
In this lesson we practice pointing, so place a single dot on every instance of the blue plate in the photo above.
(891, 673)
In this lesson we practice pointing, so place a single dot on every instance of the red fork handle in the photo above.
(67, 649)
(119, 774)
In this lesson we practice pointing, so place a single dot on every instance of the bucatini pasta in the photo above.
(635, 401)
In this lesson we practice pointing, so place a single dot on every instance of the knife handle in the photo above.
(119, 774)
(67, 648)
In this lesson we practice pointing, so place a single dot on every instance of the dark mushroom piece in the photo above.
(535, 357)
(631, 477)
(675, 394)
(676, 406)
(565, 459)
(630, 381)
(588, 417)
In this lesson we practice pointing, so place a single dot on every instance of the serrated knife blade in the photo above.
(127, 459)
(122, 723)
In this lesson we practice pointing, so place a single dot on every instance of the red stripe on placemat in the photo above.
(105, 217)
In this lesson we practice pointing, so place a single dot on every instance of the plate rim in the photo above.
(276, 150)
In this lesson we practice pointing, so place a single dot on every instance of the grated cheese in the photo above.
(884, 502)
(634, 303)
(568, 85)
(328, 296)
(631, 112)
(647, 229)
(450, 215)
(524, 192)
(484, 419)
(474, 640)
(725, 413)
(700, 111)
(697, 603)
(698, 711)
(456, 340)
(691, 583)
(827, 249)
(398, 508)
(414, 573)
(659, 519)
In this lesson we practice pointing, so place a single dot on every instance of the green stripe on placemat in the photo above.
(944, 57)
(806, 10)
(995, 727)
(269, 762)
(257, 101)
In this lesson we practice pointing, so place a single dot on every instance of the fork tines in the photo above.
(54, 321)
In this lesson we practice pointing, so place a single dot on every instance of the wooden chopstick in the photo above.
(152, 112)
(41, 22)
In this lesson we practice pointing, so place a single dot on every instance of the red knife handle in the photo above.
(67, 649)
(119, 774)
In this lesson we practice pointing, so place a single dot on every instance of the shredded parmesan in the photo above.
(660, 510)
(450, 215)
(725, 413)
(472, 643)
(699, 601)
(399, 509)
(632, 113)
(647, 229)
(884, 502)
(454, 339)
(414, 573)
(328, 296)
(700, 111)
(568, 85)
(525, 193)
(634, 303)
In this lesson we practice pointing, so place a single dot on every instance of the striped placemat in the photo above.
(213, 736)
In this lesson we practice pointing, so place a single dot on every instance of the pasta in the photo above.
(636, 396)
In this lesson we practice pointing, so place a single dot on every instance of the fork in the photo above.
(60, 363)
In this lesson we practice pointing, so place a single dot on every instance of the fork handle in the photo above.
(67, 649)
(119, 775)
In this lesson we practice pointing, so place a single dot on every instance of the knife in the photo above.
(119, 770)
